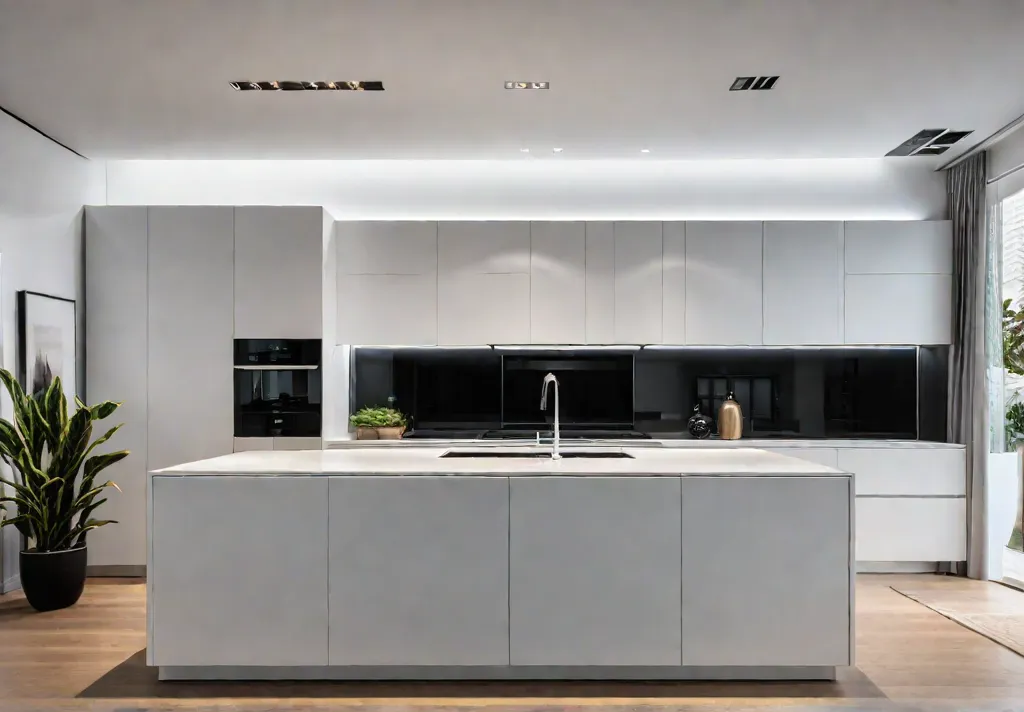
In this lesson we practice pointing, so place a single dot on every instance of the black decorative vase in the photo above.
(53, 579)
(699, 425)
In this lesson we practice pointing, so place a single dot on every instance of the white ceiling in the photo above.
(149, 78)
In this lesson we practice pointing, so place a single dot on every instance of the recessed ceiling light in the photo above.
(557, 150)
(527, 85)
(645, 150)
(524, 150)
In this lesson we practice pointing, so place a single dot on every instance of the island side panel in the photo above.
(766, 562)
(239, 570)
(594, 571)
(419, 570)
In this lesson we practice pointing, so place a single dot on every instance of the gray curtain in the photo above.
(968, 396)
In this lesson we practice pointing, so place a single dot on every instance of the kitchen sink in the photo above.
(532, 454)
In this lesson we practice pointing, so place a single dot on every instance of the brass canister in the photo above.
(730, 419)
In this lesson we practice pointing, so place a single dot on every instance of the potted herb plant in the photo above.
(378, 424)
(54, 487)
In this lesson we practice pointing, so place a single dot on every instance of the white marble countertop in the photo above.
(664, 442)
(428, 461)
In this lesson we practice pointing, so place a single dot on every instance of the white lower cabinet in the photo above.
(735, 553)
(237, 575)
(907, 472)
(594, 574)
(419, 570)
(911, 529)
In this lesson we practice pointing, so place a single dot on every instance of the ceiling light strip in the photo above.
(276, 85)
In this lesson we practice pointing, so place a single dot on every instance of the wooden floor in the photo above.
(91, 657)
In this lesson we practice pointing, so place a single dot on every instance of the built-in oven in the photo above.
(278, 388)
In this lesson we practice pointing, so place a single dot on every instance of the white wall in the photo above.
(854, 189)
(42, 190)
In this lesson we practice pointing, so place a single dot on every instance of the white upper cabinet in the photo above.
(899, 247)
(483, 286)
(673, 282)
(279, 272)
(899, 282)
(600, 271)
(558, 283)
(898, 309)
(483, 247)
(383, 247)
(803, 283)
(638, 292)
(724, 303)
(387, 283)
(481, 309)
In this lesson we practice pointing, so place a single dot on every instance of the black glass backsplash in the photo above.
(888, 393)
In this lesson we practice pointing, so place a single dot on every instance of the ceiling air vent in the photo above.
(307, 86)
(753, 83)
(930, 142)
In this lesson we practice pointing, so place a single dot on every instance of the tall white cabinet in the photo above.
(116, 289)
(167, 291)
(191, 312)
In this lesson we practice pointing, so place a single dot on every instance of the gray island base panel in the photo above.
(380, 564)
(496, 672)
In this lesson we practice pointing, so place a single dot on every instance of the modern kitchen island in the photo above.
(435, 563)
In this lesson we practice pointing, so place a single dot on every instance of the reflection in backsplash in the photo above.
(863, 392)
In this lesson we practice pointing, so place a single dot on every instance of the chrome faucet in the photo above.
(548, 380)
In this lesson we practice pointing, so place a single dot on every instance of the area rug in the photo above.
(991, 610)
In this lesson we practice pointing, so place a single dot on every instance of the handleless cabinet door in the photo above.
(638, 288)
(594, 571)
(803, 283)
(239, 570)
(723, 283)
(600, 271)
(387, 247)
(558, 284)
(191, 308)
(768, 571)
(674, 277)
(419, 570)
(279, 272)
(115, 341)
(387, 282)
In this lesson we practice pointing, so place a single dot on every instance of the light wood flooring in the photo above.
(91, 657)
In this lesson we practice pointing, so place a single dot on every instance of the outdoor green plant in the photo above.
(1014, 425)
(50, 453)
(377, 418)
(1013, 338)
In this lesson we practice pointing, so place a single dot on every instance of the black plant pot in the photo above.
(53, 579)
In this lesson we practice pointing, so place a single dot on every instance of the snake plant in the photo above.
(50, 453)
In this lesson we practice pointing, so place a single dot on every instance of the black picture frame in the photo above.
(23, 315)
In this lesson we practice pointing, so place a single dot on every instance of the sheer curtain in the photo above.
(968, 421)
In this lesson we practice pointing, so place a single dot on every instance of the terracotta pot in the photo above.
(394, 433)
(366, 433)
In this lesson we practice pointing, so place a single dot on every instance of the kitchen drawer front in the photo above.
(911, 528)
(902, 472)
